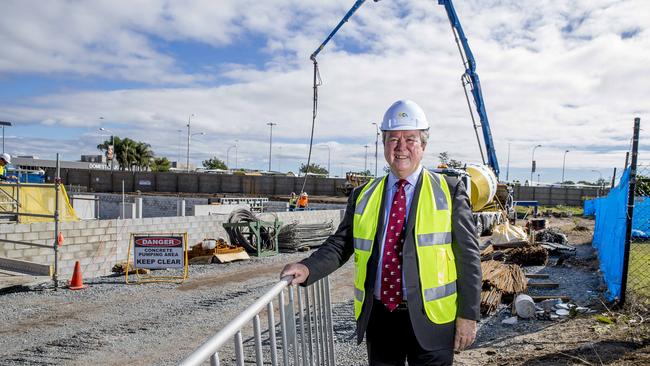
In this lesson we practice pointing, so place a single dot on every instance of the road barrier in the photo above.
(305, 336)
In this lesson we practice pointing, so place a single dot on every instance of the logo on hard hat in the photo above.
(403, 115)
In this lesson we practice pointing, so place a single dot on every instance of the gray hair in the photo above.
(424, 136)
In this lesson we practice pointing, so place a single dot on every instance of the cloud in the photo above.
(560, 74)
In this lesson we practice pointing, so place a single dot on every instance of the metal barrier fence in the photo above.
(638, 263)
(306, 335)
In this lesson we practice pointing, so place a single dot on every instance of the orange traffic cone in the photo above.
(76, 283)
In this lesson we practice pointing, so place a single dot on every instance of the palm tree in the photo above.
(129, 154)
(143, 156)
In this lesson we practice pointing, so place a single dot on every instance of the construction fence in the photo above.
(112, 182)
(622, 231)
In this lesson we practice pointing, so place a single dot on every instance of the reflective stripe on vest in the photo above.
(366, 214)
(433, 245)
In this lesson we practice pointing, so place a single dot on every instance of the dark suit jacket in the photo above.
(338, 248)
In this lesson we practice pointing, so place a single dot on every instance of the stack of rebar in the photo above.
(300, 237)
(500, 279)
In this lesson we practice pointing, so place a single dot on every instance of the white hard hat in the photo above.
(6, 157)
(404, 115)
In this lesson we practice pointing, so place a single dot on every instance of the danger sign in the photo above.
(158, 252)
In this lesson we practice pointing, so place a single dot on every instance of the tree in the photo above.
(214, 163)
(129, 154)
(313, 168)
(450, 162)
(160, 164)
(143, 155)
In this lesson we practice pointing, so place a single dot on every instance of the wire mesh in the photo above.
(638, 279)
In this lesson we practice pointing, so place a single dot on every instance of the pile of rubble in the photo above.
(502, 260)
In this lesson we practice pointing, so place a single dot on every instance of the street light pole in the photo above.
(271, 124)
(180, 139)
(3, 124)
(532, 166)
(376, 145)
(112, 143)
(563, 165)
(187, 163)
(228, 155)
(365, 164)
(236, 149)
(328, 158)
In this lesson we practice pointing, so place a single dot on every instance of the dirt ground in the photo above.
(581, 340)
(160, 323)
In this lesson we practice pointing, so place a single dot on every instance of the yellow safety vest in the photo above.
(2, 170)
(437, 268)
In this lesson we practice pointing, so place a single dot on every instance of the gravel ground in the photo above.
(110, 323)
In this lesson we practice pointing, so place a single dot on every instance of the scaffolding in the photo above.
(13, 204)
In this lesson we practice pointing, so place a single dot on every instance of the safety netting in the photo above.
(609, 233)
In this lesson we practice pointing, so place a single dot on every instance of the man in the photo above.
(418, 273)
(293, 199)
(4, 160)
(303, 201)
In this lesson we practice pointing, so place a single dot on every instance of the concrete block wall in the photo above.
(154, 206)
(98, 245)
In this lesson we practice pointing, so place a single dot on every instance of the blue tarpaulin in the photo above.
(609, 233)
(589, 208)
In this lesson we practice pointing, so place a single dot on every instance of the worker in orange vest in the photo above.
(303, 200)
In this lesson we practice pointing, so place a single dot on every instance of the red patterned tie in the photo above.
(391, 264)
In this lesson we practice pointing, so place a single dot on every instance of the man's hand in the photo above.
(299, 271)
(465, 333)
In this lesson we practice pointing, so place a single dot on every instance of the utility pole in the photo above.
(271, 124)
(187, 163)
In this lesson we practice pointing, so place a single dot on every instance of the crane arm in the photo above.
(347, 16)
(470, 77)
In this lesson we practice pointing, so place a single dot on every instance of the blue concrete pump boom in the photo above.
(471, 78)
(468, 78)
(317, 79)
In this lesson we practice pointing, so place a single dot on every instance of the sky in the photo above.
(569, 75)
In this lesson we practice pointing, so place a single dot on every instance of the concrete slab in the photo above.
(26, 267)
(10, 280)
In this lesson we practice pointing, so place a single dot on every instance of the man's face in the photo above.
(403, 151)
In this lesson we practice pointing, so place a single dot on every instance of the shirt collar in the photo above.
(412, 179)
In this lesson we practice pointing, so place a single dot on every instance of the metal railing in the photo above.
(306, 334)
